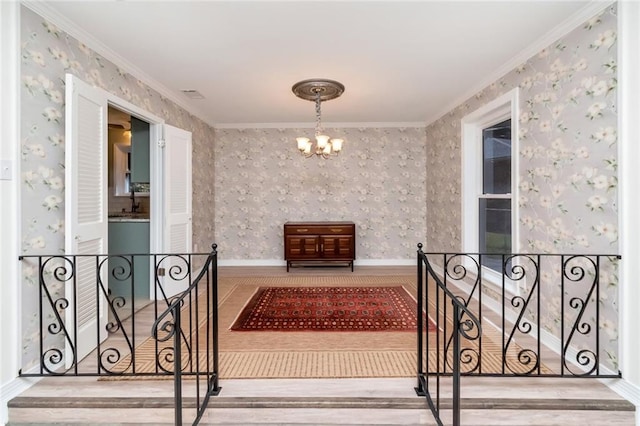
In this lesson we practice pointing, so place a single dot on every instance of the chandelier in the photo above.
(318, 90)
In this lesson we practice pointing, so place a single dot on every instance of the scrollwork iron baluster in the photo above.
(586, 358)
(52, 358)
(526, 357)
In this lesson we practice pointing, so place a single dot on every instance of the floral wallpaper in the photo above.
(377, 181)
(47, 54)
(567, 158)
(568, 163)
(567, 182)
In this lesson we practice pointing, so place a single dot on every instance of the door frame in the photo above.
(156, 214)
(156, 164)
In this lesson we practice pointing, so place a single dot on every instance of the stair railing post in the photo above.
(420, 388)
(456, 365)
(215, 333)
(177, 365)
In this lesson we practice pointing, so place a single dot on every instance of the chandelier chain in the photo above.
(318, 114)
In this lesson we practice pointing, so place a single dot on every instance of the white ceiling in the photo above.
(401, 62)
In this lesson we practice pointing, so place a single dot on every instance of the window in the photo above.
(489, 154)
(494, 206)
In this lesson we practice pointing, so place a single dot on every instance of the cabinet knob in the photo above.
(302, 230)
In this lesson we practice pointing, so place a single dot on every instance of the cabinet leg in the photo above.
(352, 266)
(287, 266)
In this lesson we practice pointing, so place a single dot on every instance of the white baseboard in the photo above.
(280, 262)
(244, 262)
(627, 390)
(12, 389)
(385, 262)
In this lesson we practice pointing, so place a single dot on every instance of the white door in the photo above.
(176, 207)
(85, 214)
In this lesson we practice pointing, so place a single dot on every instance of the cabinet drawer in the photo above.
(319, 230)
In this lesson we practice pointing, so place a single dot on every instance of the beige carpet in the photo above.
(311, 354)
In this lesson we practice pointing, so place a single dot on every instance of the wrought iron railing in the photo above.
(540, 315)
(440, 339)
(94, 312)
(112, 288)
(202, 341)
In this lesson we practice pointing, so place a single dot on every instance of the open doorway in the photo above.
(129, 203)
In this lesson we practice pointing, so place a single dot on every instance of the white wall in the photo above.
(9, 137)
(629, 148)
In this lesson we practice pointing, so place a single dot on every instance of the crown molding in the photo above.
(562, 29)
(330, 125)
(66, 25)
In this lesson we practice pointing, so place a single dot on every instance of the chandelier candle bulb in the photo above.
(322, 140)
(303, 143)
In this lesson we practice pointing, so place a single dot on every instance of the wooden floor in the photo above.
(486, 401)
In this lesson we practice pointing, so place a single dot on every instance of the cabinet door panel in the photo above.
(302, 247)
(345, 247)
(336, 247)
(329, 246)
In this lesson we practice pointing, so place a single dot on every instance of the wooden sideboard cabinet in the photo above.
(319, 242)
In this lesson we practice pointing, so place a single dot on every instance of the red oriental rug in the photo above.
(329, 309)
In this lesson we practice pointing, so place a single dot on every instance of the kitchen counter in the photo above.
(128, 219)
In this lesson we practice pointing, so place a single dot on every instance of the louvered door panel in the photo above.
(86, 226)
(177, 203)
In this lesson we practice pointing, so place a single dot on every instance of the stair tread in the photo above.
(324, 402)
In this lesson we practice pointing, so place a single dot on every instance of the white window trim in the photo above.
(504, 107)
